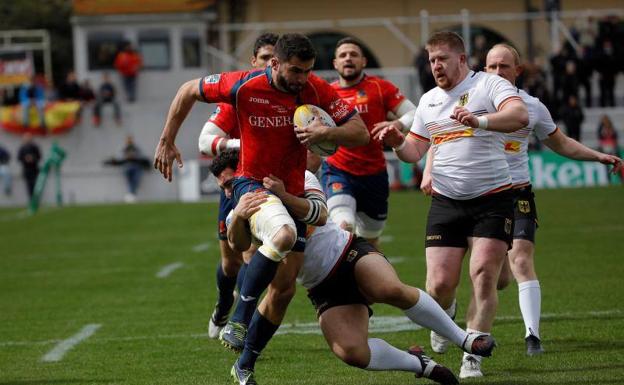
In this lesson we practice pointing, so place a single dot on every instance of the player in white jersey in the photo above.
(504, 61)
(344, 275)
(464, 119)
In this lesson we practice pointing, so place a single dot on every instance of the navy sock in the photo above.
(261, 330)
(241, 276)
(259, 274)
(225, 287)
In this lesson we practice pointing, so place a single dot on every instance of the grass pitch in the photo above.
(66, 268)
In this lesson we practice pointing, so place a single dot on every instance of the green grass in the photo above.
(65, 268)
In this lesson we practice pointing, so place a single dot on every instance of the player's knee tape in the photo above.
(342, 209)
(266, 223)
(367, 227)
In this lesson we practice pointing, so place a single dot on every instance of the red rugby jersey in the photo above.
(225, 118)
(265, 117)
(373, 97)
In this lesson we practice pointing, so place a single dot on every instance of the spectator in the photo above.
(479, 52)
(585, 71)
(5, 171)
(570, 81)
(70, 89)
(29, 156)
(128, 62)
(608, 140)
(133, 161)
(572, 116)
(607, 67)
(86, 95)
(106, 95)
(32, 94)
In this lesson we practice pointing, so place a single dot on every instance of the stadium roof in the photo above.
(116, 7)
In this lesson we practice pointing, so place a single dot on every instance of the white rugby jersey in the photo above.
(324, 247)
(517, 142)
(468, 162)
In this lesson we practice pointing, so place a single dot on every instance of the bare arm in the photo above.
(511, 117)
(570, 148)
(352, 133)
(408, 149)
(213, 140)
(310, 209)
(427, 179)
(166, 151)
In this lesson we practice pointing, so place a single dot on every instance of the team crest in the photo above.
(524, 207)
(361, 97)
(336, 187)
(352, 255)
(463, 100)
(212, 79)
(508, 223)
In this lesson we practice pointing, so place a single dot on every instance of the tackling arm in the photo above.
(213, 140)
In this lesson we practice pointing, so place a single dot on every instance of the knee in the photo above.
(484, 280)
(352, 354)
(522, 263)
(284, 239)
(438, 287)
(392, 294)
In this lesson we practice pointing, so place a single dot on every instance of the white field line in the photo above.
(201, 247)
(386, 238)
(395, 260)
(167, 270)
(385, 324)
(57, 353)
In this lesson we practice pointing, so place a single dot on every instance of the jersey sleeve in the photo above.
(544, 124)
(217, 88)
(339, 109)
(500, 91)
(312, 183)
(392, 96)
(418, 130)
(225, 118)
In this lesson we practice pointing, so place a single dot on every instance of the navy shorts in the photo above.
(225, 206)
(370, 191)
(242, 185)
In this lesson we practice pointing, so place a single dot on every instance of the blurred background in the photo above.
(85, 85)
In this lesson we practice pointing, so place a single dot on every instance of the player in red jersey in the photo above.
(355, 179)
(265, 102)
(219, 134)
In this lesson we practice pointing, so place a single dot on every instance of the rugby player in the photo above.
(503, 60)
(464, 118)
(355, 179)
(265, 101)
(344, 275)
(218, 134)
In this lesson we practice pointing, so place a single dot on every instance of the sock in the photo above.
(384, 356)
(225, 290)
(530, 298)
(452, 310)
(259, 274)
(261, 330)
(241, 276)
(429, 314)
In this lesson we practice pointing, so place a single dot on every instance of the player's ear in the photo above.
(253, 61)
(519, 70)
(364, 61)
(274, 63)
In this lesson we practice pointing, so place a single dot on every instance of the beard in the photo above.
(291, 88)
(352, 76)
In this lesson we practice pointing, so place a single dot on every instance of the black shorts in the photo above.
(525, 214)
(451, 222)
(340, 287)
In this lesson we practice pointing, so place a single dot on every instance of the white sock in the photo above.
(384, 356)
(429, 314)
(530, 298)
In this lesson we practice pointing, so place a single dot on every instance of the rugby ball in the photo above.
(304, 115)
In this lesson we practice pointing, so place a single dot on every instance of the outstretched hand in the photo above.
(612, 160)
(166, 153)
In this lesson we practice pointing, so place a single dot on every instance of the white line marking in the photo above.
(201, 247)
(395, 260)
(383, 324)
(64, 346)
(165, 271)
(386, 238)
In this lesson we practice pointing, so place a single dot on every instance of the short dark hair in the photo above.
(350, 40)
(228, 158)
(263, 40)
(290, 45)
(453, 40)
